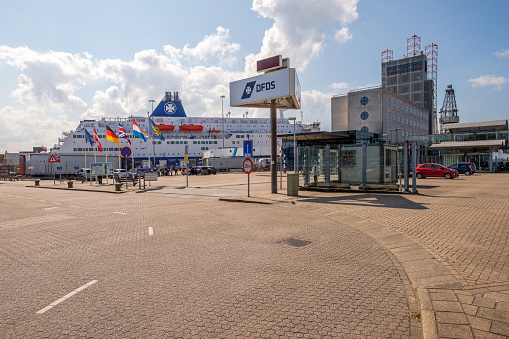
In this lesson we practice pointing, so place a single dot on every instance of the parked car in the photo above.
(463, 167)
(119, 173)
(435, 170)
(202, 170)
(211, 169)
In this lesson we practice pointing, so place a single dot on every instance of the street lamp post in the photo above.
(148, 128)
(294, 146)
(222, 115)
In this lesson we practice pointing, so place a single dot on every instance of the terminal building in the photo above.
(404, 101)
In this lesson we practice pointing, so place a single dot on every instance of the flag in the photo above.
(96, 139)
(122, 133)
(138, 133)
(111, 136)
(88, 138)
(155, 131)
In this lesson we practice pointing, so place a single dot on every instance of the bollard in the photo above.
(69, 184)
(118, 186)
(37, 181)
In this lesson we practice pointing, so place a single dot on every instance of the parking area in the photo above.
(177, 261)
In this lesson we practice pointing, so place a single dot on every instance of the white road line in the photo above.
(30, 198)
(75, 206)
(151, 231)
(120, 213)
(57, 203)
(52, 208)
(42, 200)
(65, 297)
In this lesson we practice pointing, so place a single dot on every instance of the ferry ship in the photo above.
(196, 135)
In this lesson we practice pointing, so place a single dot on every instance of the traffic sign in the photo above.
(186, 159)
(247, 166)
(52, 159)
(248, 148)
(126, 152)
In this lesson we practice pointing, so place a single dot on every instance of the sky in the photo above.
(63, 61)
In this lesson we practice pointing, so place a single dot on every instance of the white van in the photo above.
(119, 173)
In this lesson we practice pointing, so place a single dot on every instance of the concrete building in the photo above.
(404, 101)
(378, 110)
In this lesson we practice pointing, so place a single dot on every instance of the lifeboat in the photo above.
(191, 128)
(166, 128)
(214, 130)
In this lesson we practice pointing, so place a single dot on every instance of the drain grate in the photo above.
(295, 242)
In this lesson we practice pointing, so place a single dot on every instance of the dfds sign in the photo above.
(260, 90)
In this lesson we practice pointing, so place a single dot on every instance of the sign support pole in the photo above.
(248, 185)
(273, 146)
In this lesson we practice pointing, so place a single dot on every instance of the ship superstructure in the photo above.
(197, 134)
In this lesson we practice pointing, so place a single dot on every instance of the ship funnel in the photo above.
(167, 96)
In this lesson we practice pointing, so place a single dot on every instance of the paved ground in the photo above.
(171, 261)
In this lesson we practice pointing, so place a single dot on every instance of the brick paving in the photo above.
(215, 268)
(211, 269)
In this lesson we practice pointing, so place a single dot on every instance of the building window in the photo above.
(394, 102)
(364, 129)
(399, 105)
(389, 101)
(394, 116)
(364, 115)
(364, 100)
(389, 115)
(399, 118)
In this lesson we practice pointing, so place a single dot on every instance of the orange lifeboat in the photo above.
(214, 130)
(166, 128)
(191, 128)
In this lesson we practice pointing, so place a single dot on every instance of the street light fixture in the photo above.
(222, 114)
(294, 146)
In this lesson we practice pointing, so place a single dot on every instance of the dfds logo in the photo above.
(248, 90)
(250, 87)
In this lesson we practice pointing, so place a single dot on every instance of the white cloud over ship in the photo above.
(49, 95)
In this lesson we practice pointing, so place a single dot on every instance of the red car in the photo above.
(435, 170)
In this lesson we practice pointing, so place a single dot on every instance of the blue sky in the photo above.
(63, 61)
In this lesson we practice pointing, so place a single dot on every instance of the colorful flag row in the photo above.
(112, 136)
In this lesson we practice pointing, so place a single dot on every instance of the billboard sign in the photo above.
(257, 92)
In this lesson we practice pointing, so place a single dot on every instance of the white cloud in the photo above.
(489, 80)
(215, 45)
(22, 127)
(49, 79)
(503, 53)
(339, 85)
(342, 35)
(300, 28)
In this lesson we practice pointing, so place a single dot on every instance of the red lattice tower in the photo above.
(386, 55)
(432, 56)
(413, 46)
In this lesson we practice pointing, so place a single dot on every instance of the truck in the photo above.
(225, 164)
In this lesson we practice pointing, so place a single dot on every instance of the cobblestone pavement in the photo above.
(464, 225)
(214, 268)
(170, 261)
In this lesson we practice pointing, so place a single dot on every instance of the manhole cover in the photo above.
(295, 242)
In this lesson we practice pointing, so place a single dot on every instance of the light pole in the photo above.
(294, 146)
(222, 114)
(148, 130)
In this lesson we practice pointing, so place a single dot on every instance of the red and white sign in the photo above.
(53, 159)
(247, 166)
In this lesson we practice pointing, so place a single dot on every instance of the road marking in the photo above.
(52, 208)
(65, 297)
(151, 231)
(57, 203)
(30, 198)
(120, 213)
(42, 200)
(75, 206)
